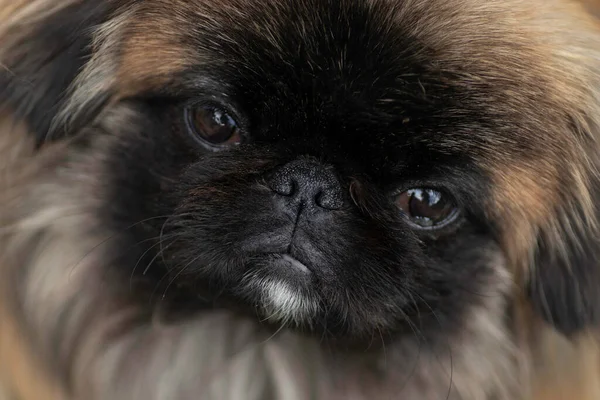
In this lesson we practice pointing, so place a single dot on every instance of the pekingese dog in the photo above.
(299, 199)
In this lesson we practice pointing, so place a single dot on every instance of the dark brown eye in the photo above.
(213, 127)
(427, 208)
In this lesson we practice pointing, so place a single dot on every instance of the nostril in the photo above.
(330, 200)
(319, 198)
(282, 184)
(289, 188)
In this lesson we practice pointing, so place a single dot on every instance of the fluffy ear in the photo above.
(564, 286)
(564, 281)
(44, 45)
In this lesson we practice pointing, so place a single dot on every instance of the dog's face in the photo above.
(335, 166)
(346, 168)
(323, 177)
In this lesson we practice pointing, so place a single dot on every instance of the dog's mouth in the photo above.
(287, 253)
(288, 261)
(286, 267)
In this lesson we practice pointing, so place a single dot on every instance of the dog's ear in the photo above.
(564, 275)
(44, 46)
(564, 284)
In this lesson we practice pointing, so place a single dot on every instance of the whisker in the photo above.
(281, 327)
(159, 253)
(181, 270)
(104, 241)
(141, 257)
(385, 360)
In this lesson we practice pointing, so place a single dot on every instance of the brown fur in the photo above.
(593, 6)
(543, 366)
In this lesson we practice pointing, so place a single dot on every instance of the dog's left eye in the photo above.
(427, 208)
(213, 127)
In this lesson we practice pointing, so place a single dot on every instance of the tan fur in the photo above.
(151, 60)
(565, 370)
(593, 6)
(20, 368)
(524, 200)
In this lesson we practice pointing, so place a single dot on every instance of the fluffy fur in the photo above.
(132, 259)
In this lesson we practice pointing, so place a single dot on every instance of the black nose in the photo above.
(309, 183)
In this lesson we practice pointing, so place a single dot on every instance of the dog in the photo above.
(312, 199)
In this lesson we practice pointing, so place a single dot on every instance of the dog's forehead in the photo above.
(389, 57)
(307, 36)
(182, 33)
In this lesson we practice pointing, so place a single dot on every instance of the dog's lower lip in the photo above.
(294, 263)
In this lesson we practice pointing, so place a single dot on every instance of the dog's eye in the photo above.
(213, 127)
(427, 208)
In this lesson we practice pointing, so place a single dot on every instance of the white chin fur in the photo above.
(284, 303)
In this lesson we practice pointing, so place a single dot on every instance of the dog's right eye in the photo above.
(213, 127)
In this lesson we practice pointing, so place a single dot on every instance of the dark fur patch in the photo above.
(42, 64)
